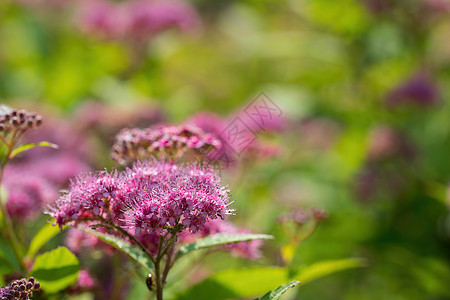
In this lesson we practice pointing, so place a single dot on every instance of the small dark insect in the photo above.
(149, 281)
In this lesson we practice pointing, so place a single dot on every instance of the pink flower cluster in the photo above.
(27, 192)
(136, 19)
(165, 197)
(151, 197)
(386, 142)
(84, 283)
(161, 141)
(216, 127)
(86, 199)
(85, 280)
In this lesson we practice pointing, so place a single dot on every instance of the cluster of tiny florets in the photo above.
(12, 120)
(167, 197)
(151, 197)
(20, 289)
(161, 141)
(90, 196)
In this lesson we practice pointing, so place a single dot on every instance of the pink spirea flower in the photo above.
(151, 197)
(56, 165)
(27, 192)
(318, 133)
(216, 126)
(138, 20)
(57, 168)
(76, 240)
(102, 19)
(148, 17)
(86, 198)
(107, 119)
(261, 151)
(441, 6)
(385, 142)
(264, 122)
(164, 196)
(209, 123)
(85, 280)
(161, 141)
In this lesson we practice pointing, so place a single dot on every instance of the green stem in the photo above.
(159, 286)
(168, 249)
(6, 217)
(169, 262)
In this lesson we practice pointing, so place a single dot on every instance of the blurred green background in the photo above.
(363, 85)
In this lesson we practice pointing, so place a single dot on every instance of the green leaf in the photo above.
(47, 232)
(56, 269)
(246, 283)
(324, 268)
(237, 283)
(276, 293)
(6, 266)
(29, 146)
(132, 251)
(8, 261)
(220, 239)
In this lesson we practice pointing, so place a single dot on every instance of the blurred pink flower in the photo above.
(145, 18)
(378, 6)
(260, 118)
(163, 142)
(61, 132)
(385, 142)
(57, 169)
(85, 280)
(438, 6)
(27, 192)
(261, 151)
(56, 165)
(108, 119)
(102, 19)
(255, 150)
(77, 240)
(138, 20)
(209, 123)
(318, 133)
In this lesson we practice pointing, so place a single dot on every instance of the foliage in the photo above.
(361, 88)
